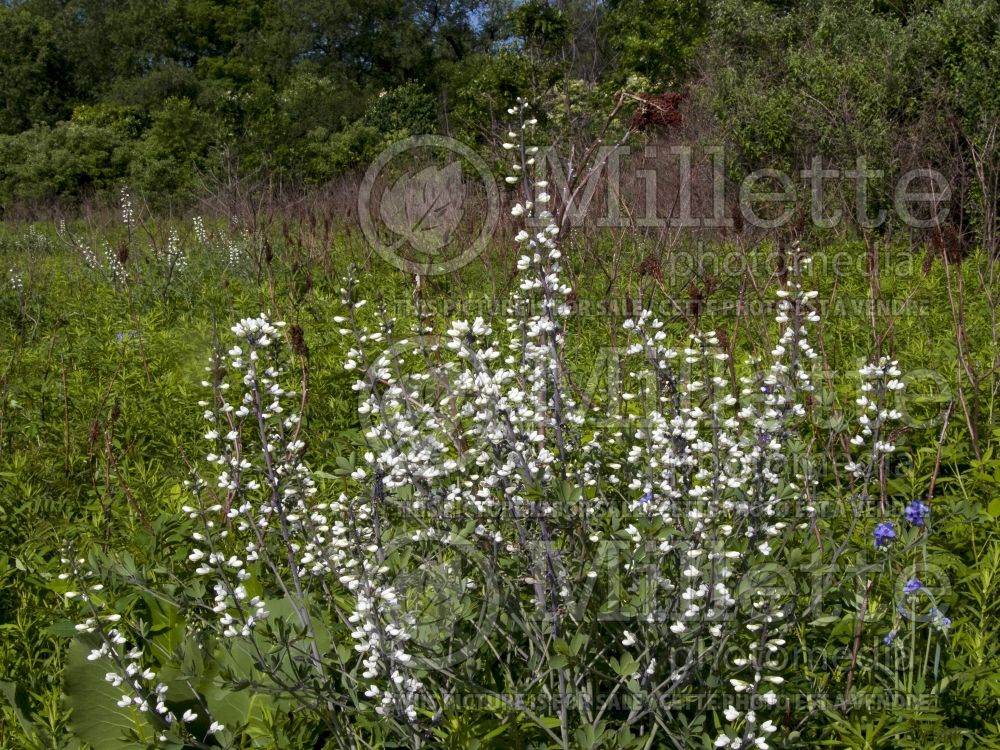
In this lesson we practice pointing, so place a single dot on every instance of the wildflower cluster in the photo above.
(918, 602)
(884, 533)
(121, 649)
(879, 381)
(686, 485)
(90, 258)
(175, 258)
(238, 245)
(916, 512)
(648, 528)
(115, 268)
(127, 209)
(199, 230)
(259, 513)
(234, 254)
(33, 241)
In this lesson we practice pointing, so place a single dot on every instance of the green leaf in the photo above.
(625, 666)
(97, 719)
(62, 629)
(825, 620)
(18, 702)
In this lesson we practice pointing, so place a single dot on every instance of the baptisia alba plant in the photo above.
(499, 562)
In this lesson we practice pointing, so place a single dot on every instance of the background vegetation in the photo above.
(258, 115)
(175, 96)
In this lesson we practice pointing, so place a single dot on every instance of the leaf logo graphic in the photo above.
(419, 222)
(425, 208)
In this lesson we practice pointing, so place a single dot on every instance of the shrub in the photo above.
(176, 148)
(70, 159)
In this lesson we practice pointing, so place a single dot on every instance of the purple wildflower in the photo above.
(912, 586)
(915, 512)
(883, 533)
(940, 620)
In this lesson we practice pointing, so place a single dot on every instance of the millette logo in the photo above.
(428, 204)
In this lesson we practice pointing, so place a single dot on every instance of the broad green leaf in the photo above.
(97, 719)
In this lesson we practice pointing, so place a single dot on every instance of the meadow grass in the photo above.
(99, 383)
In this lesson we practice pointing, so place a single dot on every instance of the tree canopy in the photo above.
(158, 92)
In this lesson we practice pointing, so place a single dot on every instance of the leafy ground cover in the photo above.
(108, 329)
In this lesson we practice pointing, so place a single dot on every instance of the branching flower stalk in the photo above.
(498, 537)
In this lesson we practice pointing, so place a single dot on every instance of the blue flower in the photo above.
(912, 586)
(889, 638)
(883, 533)
(915, 512)
(940, 620)
(647, 498)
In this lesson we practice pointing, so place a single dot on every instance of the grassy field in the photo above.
(106, 332)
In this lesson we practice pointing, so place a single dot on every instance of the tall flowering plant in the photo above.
(500, 556)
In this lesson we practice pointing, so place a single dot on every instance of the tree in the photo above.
(656, 38)
(35, 79)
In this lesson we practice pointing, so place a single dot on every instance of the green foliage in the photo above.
(839, 81)
(71, 391)
(298, 90)
(404, 109)
(544, 29)
(483, 87)
(331, 154)
(656, 39)
(177, 147)
(822, 79)
(955, 47)
(171, 80)
(69, 159)
(129, 121)
(394, 114)
(34, 74)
